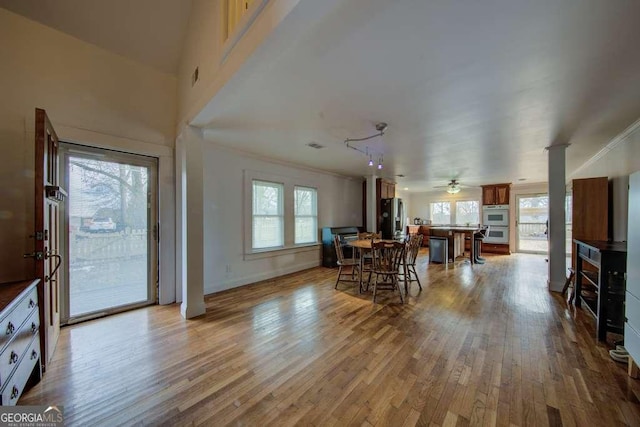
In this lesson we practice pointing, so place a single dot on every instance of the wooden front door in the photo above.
(48, 198)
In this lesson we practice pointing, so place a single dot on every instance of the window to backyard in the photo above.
(441, 213)
(467, 212)
(267, 215)
(306, 215)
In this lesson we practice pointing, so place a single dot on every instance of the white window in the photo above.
(306, 215)
(468, 212)
(268, 215)
(441, 213)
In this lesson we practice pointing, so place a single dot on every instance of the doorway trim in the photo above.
(163, 149)
(517, 222)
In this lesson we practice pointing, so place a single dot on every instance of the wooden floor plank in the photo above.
(479, 345)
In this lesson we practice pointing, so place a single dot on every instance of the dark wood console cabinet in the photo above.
(602, 287)
(329, 256)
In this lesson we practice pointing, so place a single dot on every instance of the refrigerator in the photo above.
(393, 221)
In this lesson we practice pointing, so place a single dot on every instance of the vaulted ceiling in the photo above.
(147, 31)
(472, 90)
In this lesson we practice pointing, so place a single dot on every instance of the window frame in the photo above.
(289, 247)
(439, 202)
(466, 201)
(280, 214)
(314, 216)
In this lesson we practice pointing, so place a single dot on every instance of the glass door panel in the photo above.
(532, 217)
(110, 232)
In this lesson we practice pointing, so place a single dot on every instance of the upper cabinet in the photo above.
(386, 189)
(496, 194)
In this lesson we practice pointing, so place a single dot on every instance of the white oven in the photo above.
(495, 215)
(497, 235)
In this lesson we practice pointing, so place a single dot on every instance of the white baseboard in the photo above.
(235, 282)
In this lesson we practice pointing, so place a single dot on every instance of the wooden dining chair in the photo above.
(387, 261)
(353, 264)
(409, 273)
(367, 259)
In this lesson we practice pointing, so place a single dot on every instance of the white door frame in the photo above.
(517, 230)
(151, 163)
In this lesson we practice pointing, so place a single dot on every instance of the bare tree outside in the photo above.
(468, 212)
(268, 215)
(114, 190)
(306, 215)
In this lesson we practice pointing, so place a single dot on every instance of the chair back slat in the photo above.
(338, 245)
(415, 242)
(387, 256)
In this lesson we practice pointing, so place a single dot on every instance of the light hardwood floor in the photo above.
(480, 345)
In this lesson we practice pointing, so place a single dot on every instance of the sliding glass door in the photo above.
(112, 252)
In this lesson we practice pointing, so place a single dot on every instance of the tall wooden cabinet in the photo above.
(590, 213)
(384, 190)
(496, 194)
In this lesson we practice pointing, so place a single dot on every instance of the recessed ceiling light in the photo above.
(406, 188)
(522, 179)
(315, 145)
(400, 175)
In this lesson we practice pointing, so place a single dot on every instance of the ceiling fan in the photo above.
(452, 187)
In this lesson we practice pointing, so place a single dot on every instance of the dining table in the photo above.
(466, 230)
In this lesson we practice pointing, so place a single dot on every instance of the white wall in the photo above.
(91, 96)
(339, 204)
(420, 202)
(217, 59)
(617, 161)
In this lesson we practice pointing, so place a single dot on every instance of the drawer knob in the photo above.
(34, 328)
(15, 392)
(31, 303)
(10, 328)
(34, 354)
(13, 358)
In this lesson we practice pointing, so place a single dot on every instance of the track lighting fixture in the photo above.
(380, 128)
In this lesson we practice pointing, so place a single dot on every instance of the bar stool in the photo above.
(478, 237)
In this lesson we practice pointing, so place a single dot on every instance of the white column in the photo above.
(557, 218)
(189, 222)
(371, 203)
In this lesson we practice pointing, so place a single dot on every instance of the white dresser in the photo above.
(19, 339)
(632, 298)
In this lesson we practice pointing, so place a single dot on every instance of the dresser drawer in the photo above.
(11, 355)
(13, 319)
(12, 390)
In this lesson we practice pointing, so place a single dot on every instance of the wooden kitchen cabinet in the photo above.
(386, 189)
(495, 194)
